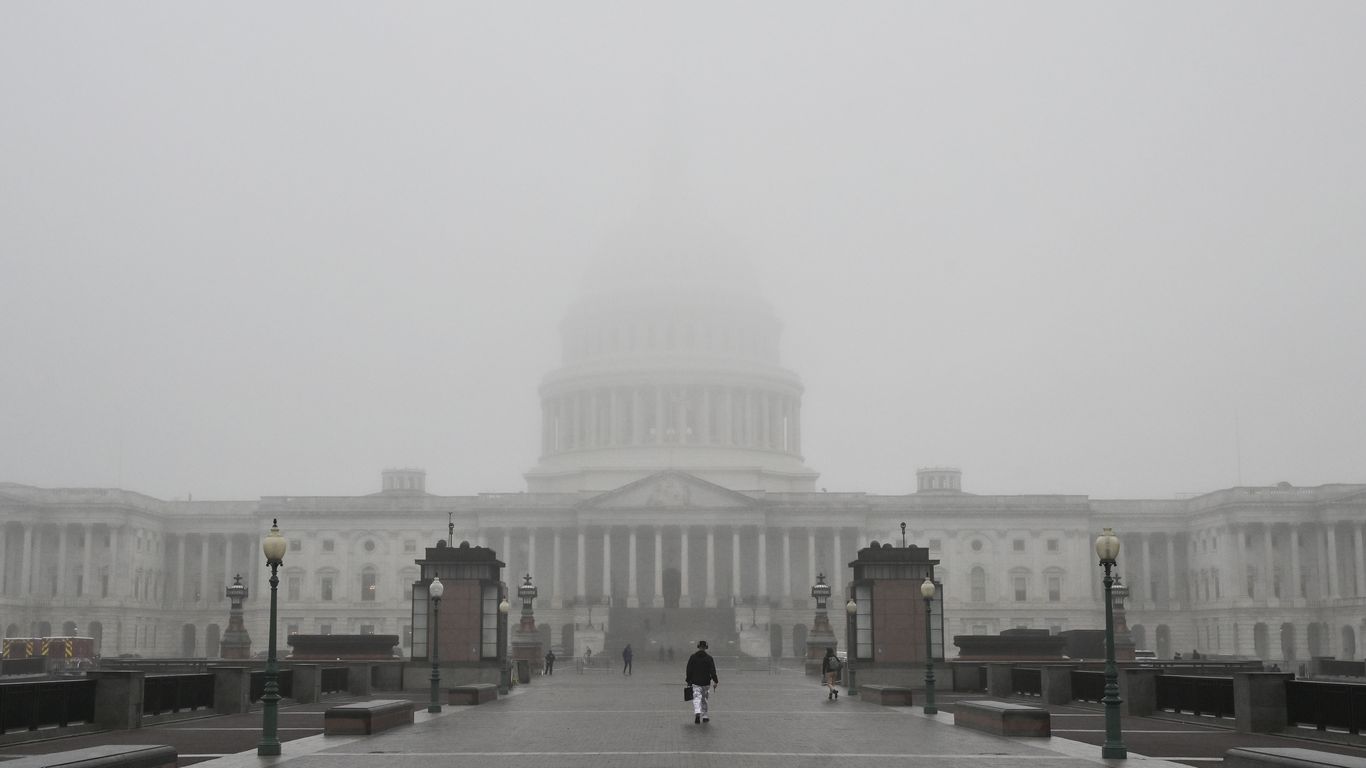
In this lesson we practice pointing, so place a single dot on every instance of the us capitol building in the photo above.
(671, 499)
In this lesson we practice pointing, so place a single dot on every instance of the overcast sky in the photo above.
(254, 249)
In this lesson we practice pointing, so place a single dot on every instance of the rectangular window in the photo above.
(324, 629)
(367, 587)
(419, 627)
(979, 629)
(409, 546)
(295, 545)
(1054, 589)
(367, 629)
(291, 629)
(863, 621)
(294, 587)
(1052, 545)
(1054, 629)
(327, 588)
(1018, 545)
(1021, 593)
(104, 587)
(329, 545)
(489, 628)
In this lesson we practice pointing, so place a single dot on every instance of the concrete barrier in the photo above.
(1002, 718)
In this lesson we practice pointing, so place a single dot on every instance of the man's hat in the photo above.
(702, 645)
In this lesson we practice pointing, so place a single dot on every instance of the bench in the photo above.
(1255, 757)
(365, 717)
(473, 694)
(886, 695)
(1002, 718)
(107, 756)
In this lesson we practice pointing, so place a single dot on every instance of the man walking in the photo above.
(701, 675)
(549, 662)
(626, 656)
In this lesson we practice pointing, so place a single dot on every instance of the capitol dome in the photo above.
(671, 361)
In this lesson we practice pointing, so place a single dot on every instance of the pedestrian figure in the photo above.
(830, 667)
(549, 662)
(626, 656)
(701, 675)
(587, 653)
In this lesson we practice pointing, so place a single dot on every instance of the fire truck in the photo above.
(60, 653)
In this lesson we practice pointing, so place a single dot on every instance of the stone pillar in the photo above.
(118, 698)
(594, 440)
(1138, 691)
(61, 559)
(1268, 563)
(1056, 683)
(26, 567)
(787, 566)
(837, 569)
(762, 563)
(999, 683)
(1331, 542)
(1259, 701)
(659, 568)
(232, 689)
(632, 598)
(1171, 569)
(1359, 563)
(711, 567)
(1146, 588)
(735, 584)
(558, 599)
(684, 601)
(87, 569)
(811, 555)
(1240, 588)
(1295, 590)
(582, 592)
(358, 678)
(506, 553)
(607, 562)
(308, 683)
(531, 552)
(203, 567)
(179, 568)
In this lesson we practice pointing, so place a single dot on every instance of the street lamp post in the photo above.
(505, 674)
(273, 547)
(927, 591)
(851, 647)
(1107, 549)
(435, 590)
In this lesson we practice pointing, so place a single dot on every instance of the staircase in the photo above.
(650, 629)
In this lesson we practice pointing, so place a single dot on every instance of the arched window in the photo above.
(978, 580)
(369, 585)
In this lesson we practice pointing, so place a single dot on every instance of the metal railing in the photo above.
(46, 704)
(1194, 694)
(174, 693)
(1326, 705)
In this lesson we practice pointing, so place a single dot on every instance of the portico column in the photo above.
(704, 422)
(607, 562)
(26, 567)
(1331, 535)
(659, 567)
(1295, 590)
(734, 566)
(1240, 565)
(1359, 565)
(762, 563)
(582, 593)
(711, 567)
(728, 418)
(811, 555)
(203, 567)
(683, 600)
(837, 577)
(61, 560)
(637, 417)
(227, 561)
(632, 599)
(558, 600)
(86, 572)
(764, 421)
(1171, 569)
(1268, 565)
(787, 567)
(1147, 590)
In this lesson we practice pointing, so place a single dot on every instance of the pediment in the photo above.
(671, 490)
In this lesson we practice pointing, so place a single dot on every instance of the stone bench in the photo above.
(1002, 718)
(473, 694)
(365, 717)
(1255, 757)
(107, 756)
(886, 695)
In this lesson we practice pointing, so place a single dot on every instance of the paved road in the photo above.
(605, 719)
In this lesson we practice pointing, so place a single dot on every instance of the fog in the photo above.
(259, 249)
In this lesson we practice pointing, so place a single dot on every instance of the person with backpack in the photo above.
(830, 667)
